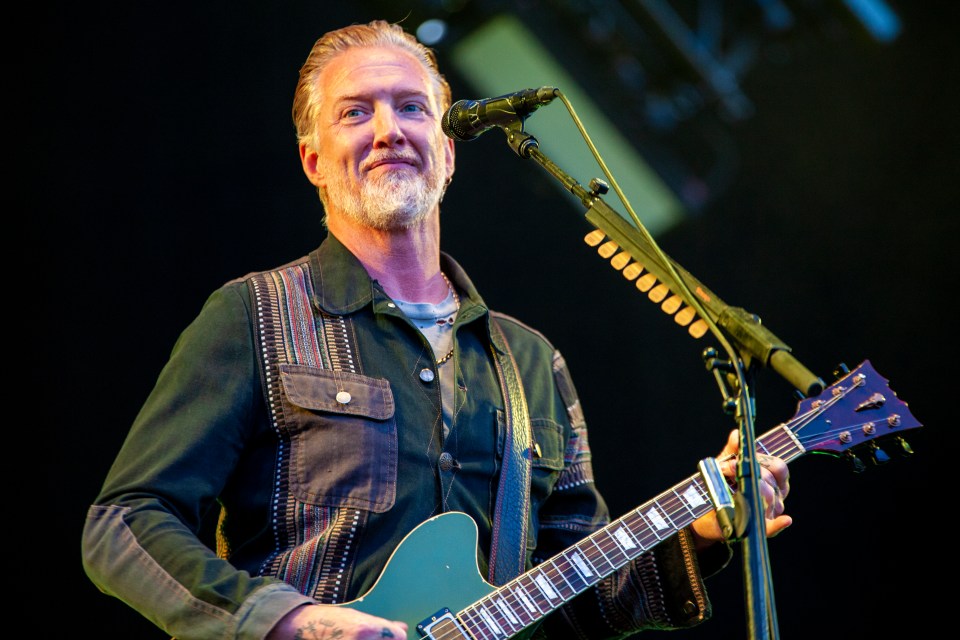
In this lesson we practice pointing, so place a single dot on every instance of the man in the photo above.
(331, 405)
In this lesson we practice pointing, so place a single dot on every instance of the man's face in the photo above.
(383, 159)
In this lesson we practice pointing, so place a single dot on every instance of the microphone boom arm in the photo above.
(745, 329)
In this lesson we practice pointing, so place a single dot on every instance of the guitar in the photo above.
(432, 581)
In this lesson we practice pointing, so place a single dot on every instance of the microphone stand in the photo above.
(754, 344)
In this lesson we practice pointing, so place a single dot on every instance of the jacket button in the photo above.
(426, 375)
(446, 461)
(344, 397)
(689, 607)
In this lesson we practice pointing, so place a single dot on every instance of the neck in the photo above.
(406, 262)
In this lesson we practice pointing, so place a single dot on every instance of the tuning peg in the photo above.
(841, 370)
(905, 448)
(855, 463)
(878, 455)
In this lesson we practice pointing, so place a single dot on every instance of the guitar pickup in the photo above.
(442, 624)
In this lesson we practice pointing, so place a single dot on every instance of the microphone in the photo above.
(467, 119)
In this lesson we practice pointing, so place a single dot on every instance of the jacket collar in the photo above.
(341, 285)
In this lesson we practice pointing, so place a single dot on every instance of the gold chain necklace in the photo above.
(456, 299)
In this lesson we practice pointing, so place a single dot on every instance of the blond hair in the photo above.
(378, 33)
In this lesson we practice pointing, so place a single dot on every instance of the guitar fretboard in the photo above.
(531, 596)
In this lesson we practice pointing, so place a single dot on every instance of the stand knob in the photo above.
(598, 187)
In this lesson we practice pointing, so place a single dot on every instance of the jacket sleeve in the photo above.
(660, 589)
(141, 540)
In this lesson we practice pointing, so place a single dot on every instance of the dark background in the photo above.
(162, 162)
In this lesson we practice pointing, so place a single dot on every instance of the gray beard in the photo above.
(393, 202)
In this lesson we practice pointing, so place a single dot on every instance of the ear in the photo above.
(308, 160)
(449, 157)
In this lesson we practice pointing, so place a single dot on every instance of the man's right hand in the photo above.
(325, 622)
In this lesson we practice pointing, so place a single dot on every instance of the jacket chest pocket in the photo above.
(547, 448)
(343, 438)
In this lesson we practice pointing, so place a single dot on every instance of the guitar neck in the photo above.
(531, 596)
(851, 414)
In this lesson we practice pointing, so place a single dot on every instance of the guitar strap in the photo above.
(508, 548)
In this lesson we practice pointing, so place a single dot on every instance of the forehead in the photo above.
(371, 71)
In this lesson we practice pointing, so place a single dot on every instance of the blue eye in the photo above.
(411, 108)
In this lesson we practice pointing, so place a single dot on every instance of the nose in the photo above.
(386, 128)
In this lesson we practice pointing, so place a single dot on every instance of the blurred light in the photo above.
(877, 17)
(430, 32)
(502, 56)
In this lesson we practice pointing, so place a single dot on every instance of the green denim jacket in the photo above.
(311, 502)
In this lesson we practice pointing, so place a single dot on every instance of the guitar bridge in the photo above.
(444, 625)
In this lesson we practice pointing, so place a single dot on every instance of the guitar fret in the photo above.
(529, 607)
(468, 620)
(641, 530)
(614, 551)
(625, 540)
(533, 596)
(592, 540)
(492, 625)
(656, 522)
(565, 573)
(508, 617)
(545, 586)
(582, 565)
(674, 507)
(688, 499)
(507, 612)
(576, 580)
(782, 442)
(692, 497)
(505, 616)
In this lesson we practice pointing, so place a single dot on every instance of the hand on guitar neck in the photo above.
(774, 486)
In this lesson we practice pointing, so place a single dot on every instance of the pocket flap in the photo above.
(337, 391)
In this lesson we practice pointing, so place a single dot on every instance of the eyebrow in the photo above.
(368, 97)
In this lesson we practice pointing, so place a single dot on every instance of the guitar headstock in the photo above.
(854, 414)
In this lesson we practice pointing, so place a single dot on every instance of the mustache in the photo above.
(391, 156)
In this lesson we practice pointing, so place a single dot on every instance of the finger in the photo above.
(776, 525)
(768, 494)
(777, 470)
